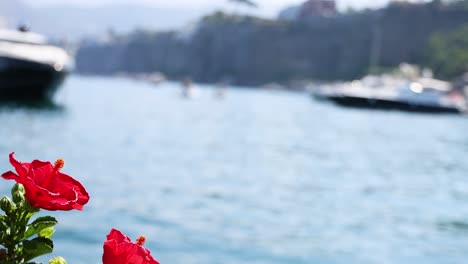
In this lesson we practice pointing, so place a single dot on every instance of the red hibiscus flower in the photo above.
(46, 187)
(119, 249)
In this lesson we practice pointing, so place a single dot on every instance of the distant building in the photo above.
(310, 8)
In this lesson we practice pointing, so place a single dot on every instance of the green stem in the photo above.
(17, 220)
(11, 241)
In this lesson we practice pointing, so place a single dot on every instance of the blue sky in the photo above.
(268, 7)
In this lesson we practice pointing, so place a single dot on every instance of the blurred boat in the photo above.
(421, 95)
(188, 90)
(154, 78)
(30, 68)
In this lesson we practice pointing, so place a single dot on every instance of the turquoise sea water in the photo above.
(258, 177)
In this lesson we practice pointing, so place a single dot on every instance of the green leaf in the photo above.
(38, 225)
(47, 232)
(37, 247)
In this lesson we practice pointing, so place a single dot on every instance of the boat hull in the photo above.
(27, 80)
(360, 102)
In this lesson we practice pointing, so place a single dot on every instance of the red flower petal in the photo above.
(9, 175)
(119, 249)
(46, 187)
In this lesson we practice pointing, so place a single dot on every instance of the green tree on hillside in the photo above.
(448, 55)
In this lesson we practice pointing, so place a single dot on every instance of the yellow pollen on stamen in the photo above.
(59, 163)
(141, 240)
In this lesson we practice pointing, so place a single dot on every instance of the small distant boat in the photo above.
(188, 90)
(422, 95)
(30, 68)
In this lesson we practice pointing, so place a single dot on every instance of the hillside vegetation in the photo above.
(251, 51)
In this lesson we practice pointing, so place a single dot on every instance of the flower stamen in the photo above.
(141, 240)
(59, 163)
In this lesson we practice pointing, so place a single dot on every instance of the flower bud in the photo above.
(18, 193)
(6, 204)
(18, 188)
(58, 260)
(18, 198)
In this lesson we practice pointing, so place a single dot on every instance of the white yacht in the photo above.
(30, 68)
(422, 95)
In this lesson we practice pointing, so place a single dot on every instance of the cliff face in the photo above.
(252, 51)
